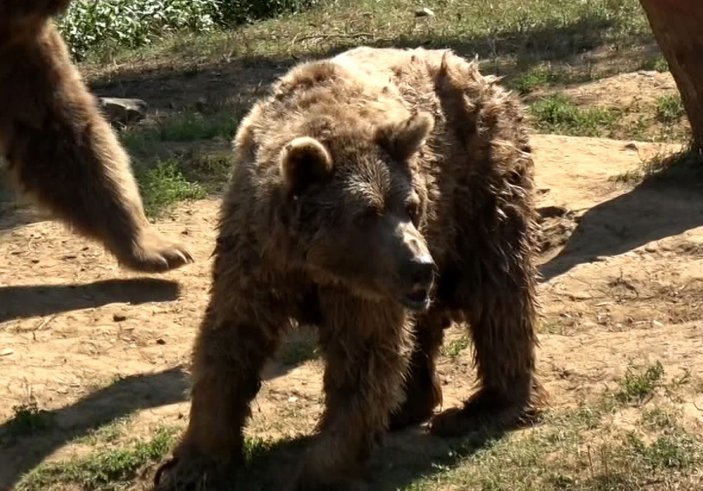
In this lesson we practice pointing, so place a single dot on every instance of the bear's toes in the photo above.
(485, 411)
(193, 474)
(155, 254)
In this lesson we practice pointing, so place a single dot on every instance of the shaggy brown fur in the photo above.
(60, 148)
(381, 194)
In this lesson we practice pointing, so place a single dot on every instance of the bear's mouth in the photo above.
(417, 299)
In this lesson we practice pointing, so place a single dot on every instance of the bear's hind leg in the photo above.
(503, 332)
(423, 392)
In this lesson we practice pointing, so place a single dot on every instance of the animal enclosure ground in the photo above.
(93, 360)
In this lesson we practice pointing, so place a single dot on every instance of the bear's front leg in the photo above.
(367, 347)
(239, 333)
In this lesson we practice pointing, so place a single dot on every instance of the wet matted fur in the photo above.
(381, 195)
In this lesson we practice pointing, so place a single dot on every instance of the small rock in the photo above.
(119, 317)
(292, 399)
(160, 341)
(424, 12)
(123, 111)
(631, 146)
(6, 352)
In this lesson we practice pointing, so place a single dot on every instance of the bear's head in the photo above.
(357, 208)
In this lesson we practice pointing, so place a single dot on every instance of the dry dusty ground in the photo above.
(623, 284)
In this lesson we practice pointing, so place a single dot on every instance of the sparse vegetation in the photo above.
(683, 166)
(670, 108)
(639, 384)
(188, 127)
(557, 114)
(28, 419)
(658, 64)
(106, 470)
(452, 349)
(164, 184)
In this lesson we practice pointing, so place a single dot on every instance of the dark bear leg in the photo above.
(423, 392)
(503, 330)
(229, 354)
(367, 353)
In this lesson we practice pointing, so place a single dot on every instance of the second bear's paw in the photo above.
(154, 253)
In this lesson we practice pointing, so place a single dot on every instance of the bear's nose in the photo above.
(420, 271)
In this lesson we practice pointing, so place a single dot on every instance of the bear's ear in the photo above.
(402, 140)
(304, 161)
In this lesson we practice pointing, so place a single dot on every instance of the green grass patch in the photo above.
(640, 383)
(558, 114)
(164, 185)
(106, 470)
(657, 63)
(183, 127)
(181, 157)
(188, 127)
(454, 348)
(539, 77)
(108, 433)
(670, 108)
(573, 450)
(520, 32)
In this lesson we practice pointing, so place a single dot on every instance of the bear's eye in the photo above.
(367, 215)
(413, 210)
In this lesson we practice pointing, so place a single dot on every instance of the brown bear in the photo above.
(59, 147)
(380, 195)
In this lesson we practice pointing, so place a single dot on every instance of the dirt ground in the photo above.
(623, 283)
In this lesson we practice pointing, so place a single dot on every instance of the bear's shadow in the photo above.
(18, 302)
(403, 458)
(20, 452)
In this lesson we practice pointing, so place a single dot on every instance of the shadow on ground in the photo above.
(405, 457)
(17, 302)
(97, 409)
(667, 203)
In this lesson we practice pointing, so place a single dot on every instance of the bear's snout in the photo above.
(418, 276)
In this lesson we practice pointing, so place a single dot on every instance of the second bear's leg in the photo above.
(64, 154)
(367, 347)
